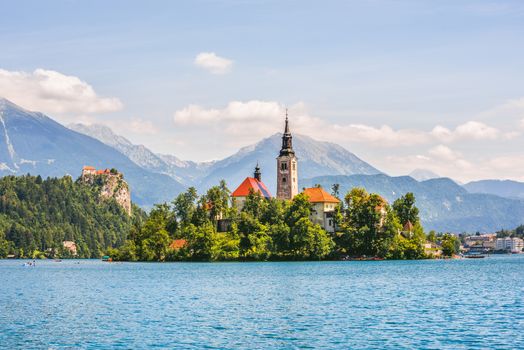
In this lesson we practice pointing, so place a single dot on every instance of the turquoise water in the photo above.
(460, 304)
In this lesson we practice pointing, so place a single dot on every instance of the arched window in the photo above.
(284, 179)
(283, 166)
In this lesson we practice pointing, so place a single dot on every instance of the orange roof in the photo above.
(105, 171)
(318, 195)
(178, 243)
(88, 167)
(250, 183)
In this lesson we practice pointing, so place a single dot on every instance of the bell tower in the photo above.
(287, 167)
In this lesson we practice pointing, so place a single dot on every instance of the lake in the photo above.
(451, 304)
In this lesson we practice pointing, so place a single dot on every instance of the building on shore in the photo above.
(287, 167)
(71, 247)
(250, 184)
(481, 243)
(510, 244)
(323, 207)
(432, 249)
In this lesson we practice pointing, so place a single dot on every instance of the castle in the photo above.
(323, 205)
(111, 184)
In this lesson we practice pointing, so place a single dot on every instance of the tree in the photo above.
(450, 244)
(154, 239)
(200, 240)
(335, 190)
(217, 201)
(255, 205)
(309, 241)
(432, 236)
(184, 206)
(255, 241)
(405, 209)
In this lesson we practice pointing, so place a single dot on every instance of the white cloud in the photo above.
(140, 126)
(52, 92)
(213, 63)
(265, 117)
(470, 130)
(460, 152)
(249, 121)
(444, 153)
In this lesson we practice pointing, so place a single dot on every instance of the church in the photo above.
(323, 204)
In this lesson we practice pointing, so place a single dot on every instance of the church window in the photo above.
(294, 166)
(283, 166)
(284, 179)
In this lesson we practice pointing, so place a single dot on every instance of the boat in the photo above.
(107, 258)
(474, 256)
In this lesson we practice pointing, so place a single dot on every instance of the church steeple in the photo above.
(287, 167)
(257, 174)
(287, 140)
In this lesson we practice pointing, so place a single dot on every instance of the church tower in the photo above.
(287, 167)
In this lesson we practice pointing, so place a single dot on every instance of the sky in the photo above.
(403, 84)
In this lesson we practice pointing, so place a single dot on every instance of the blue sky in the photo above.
(403, 84)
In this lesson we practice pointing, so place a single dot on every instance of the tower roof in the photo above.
(257, 174)
(251, 183)
(287, 140)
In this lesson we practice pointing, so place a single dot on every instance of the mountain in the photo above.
(33, 143)
(186, 172)
(444, 205)
(502, 188)
(423, 174)
(316, 158)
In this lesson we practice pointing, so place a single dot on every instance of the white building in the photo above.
(514, 245)
(323, 207)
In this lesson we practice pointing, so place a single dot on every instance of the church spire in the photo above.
(258, 174)
(287, 140)
(286, 129)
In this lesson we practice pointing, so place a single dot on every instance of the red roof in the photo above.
(250, 183)
(318, 195)
(100, 172)
(178, 243)
(87, 167)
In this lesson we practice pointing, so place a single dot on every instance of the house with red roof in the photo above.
(323, 207)
(88, 170)
(254, 184)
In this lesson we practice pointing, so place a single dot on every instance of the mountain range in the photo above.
(316, 159)
(31, 142)
(444, 205)
(34, 143)
(503, 188)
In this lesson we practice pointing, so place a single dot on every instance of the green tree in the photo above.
(405, 209)
(185, 205)
(450, 244)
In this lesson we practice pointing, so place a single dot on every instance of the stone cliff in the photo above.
(111, 185)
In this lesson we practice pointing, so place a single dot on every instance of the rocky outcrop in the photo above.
(111, 185)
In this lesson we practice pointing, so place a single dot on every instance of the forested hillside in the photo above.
(37, 216)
